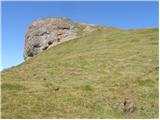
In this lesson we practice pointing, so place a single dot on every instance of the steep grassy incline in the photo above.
(88, 77)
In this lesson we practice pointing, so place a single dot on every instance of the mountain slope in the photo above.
(89, 77)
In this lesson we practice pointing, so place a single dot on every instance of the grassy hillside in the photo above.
(88, 77)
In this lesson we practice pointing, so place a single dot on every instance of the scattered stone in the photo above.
(157, 68)
(129, 106)
(56, 89)
(34, 74)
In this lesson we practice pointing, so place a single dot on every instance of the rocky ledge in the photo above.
(46, 33)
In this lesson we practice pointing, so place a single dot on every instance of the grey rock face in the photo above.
(90, 28)
(46, 33)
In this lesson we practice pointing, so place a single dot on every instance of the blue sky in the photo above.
(17, 16)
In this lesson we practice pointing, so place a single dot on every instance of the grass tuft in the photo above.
(145, 82)
(11, 87)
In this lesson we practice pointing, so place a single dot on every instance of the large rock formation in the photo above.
(46, 33)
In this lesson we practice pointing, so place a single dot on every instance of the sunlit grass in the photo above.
(88, 77)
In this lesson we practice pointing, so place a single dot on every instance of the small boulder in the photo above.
(129, 105)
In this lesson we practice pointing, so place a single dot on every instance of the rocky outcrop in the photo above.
(46, 33)
(89, 28)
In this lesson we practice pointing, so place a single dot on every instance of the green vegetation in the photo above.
(88, 77)
(145, 82)
(11, 87)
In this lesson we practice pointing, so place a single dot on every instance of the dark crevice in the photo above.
(36, 45)
(42, 34)
(45, 33)
(45, 48)
(50, 42)
(63, 28)
(57, 40)
(30, 54)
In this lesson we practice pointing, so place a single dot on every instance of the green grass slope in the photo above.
(88, 77)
